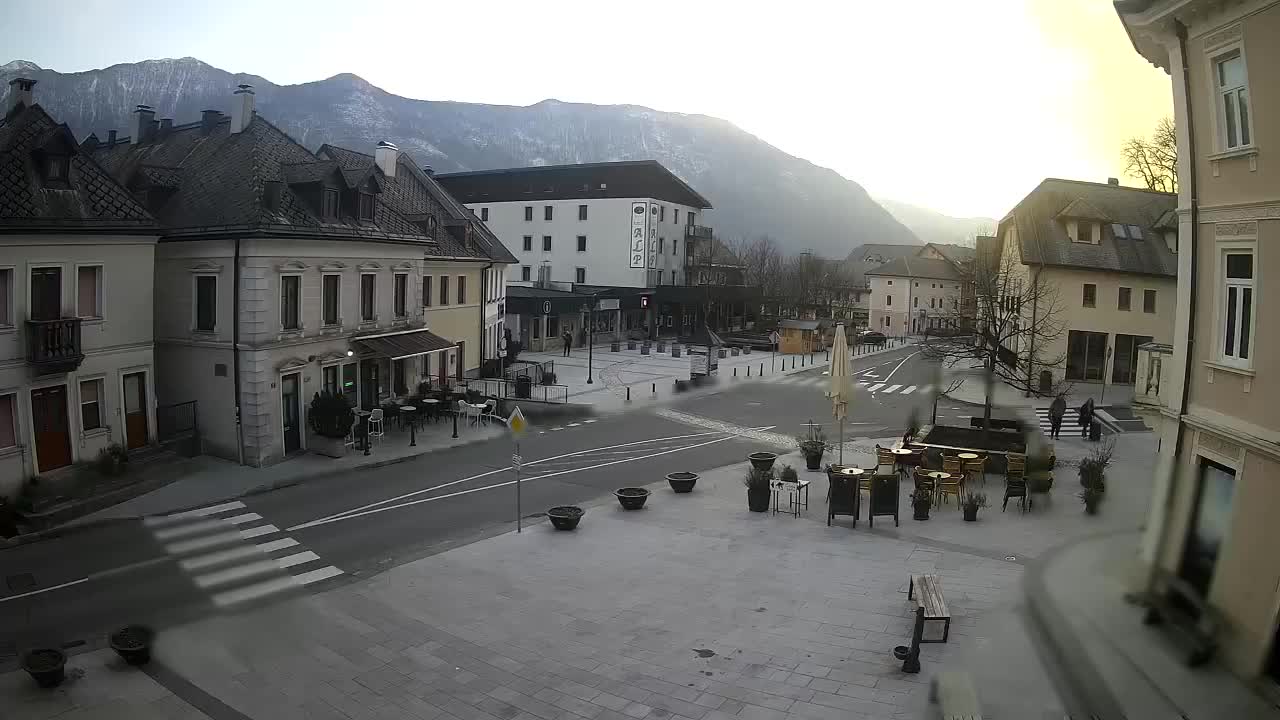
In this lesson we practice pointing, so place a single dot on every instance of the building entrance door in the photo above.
(53, 435)
(135, 410)
(291, 412)
(1209, 525)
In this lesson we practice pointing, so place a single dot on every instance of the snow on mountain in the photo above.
(756, 188)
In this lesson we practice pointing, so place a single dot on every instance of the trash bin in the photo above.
(524, 386)
(1095, 431)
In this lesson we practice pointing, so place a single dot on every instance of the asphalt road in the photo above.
(342, 527)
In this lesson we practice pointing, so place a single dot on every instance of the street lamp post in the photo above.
(591, 335)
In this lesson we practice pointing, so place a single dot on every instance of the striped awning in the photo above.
(397, 346)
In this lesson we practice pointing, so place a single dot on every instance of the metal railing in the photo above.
(697, 232)
(53, 346)
(504, 389)
(178, 427)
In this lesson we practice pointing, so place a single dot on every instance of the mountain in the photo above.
(756, 189)
(933, 226)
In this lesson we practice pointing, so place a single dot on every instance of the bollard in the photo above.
(364, 434)
(413, 440)
(761, 373)
(455, 422)
(735, 372)
(748, 371)
(654, 388)
(628, 393)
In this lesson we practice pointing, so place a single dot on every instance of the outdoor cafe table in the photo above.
(431, 404)
(968, 456)
(406, 413)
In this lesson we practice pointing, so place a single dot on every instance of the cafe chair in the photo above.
(1015, 486)
(951, 464)
(376, 429)
(950, 486)
(490, 411)
(975, 470)
(353, 432)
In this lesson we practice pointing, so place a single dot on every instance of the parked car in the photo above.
(871, 337)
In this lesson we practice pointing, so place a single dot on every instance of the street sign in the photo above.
(516, 423)
(607, 304)
(546, 307)
(516, 460)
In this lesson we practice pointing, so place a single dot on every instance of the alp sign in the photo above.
(639, 233)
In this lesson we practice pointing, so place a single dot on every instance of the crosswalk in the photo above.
(869, 386)
(235, 555)
(1070, 421)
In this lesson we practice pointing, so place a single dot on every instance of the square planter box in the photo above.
(329, 447)
(631, 344)
(736, 352)
(614, 347)
(746, 350)
(675, 351)
(644, 349)
(662, 346)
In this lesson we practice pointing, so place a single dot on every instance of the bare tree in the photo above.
(1014, 324)
(1154, 161)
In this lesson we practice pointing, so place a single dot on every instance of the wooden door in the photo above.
(291, 412)
(53, 434)
(46, 293)
(135, 410)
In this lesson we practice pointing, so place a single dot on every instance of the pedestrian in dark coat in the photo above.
(567, 337)
(1086, 417)
(1057, 411)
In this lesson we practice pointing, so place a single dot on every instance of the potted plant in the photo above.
(682, 482)
(762, 460)
(973, 501)
(112, 460)
(133, 644)
(47, 666)
(813, 443)
(330, 417)
(757, 481)
(789, 474)
(921, 501)
(1093, 468)
(631, 498)
(565, 517)
(1091, 497)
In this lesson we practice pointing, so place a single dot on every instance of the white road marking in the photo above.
(242, 519)
(899, 365)
(44, 590)
(353, 514)
(188, 514)
(862, 384)
(236, 573)
(892, 388)
(323, 573)
(588, 421)
(305, 556)
(909, 389)
(495, 472)
(275, 545)
(574, 424)
(202, 543)
(194, 528)
(257, 590)
(556, 428)
(875, 387)
(258, 531)
(200, 562)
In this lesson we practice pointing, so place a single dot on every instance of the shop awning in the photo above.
(397, 346)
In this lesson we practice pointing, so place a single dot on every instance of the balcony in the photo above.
(697, 232)
(53, 346)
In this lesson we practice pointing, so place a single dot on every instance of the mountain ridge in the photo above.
(755, 188)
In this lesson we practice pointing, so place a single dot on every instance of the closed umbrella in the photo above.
(841, 391)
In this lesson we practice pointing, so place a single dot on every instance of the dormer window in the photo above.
(366, 206)
(56, 168)
(330, 205)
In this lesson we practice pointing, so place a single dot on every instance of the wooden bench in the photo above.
(937, 618)
(1174, 603)
(954, 695)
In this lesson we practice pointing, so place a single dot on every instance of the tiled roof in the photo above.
(918, 267)
(624, 179)
(955, 253)
(873, 255)
(91, 198)
(988, 254)
(1043, 239)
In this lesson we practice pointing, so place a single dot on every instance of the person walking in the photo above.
(567, 338)
(1057, 411)
(1086, 417)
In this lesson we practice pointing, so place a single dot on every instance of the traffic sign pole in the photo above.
(515, 461)
(517, 425)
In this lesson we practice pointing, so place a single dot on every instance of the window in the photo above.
(1233, 103)
(916, 301)
(484, 214)
(528, 213)
(580, 275)
(675, 216)
(546, 243)
(398, 380)
(206, 303)
(91, 405)
(661, 245)
(329, 379)
(6, 297)
(329, 287)
(1135, 232)
(1122, 301)
(528, 243)
(56, 168)
(888, 301)
(582, 243)
(1086, 355)
(400, 295)
(462, 289)
(290, 290)
(1090, 295)
(366, 206)
(890, 282)
(931, 303)
(1084, 233)
(330, 205)
(1210, 525)
(89, 291)
(673, 245)
(1237, 320)
(368, 297)
(547, 213)
(1148, 301)
(582, 212)
(662, 213)
(426, 291)
(525, 273)
(444, 289)
(8, 422)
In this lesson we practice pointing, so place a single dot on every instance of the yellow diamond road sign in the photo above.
(516, 423)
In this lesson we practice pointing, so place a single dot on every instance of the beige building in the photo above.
(1212, 519)
(281, 273)
(913, 294)
(1104, 259)
(76, 352)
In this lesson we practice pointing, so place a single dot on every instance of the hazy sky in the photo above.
(958, 106)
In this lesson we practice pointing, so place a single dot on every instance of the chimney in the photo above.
(166, 126)
(142, 119)
(242, 109)
(385, 157)
(428, 170)
(208, 121)
(19, 92)
(111, 137)
(1113, 181)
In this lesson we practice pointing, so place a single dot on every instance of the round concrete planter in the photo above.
(47, 666)
(565, 517)
(682, 482)
(631, 498)
(133, 644)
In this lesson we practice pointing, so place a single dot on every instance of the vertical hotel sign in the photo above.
(639, 233)
(653, 235)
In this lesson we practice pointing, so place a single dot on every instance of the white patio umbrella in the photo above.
(841, 391)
